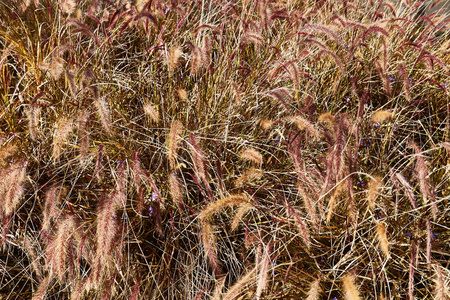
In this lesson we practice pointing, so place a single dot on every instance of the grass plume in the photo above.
(252, 155)
(314, 290)
(350, 289)
(173, 140)
(382, 238)
(375, 184)
(201, 149)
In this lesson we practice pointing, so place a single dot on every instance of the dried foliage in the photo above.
(224, 150)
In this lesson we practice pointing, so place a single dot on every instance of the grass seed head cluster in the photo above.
(224, 150)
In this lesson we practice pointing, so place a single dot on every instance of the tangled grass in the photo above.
(223, 150)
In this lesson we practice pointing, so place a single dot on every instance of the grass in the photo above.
(224, 150)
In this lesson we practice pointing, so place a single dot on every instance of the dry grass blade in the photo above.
(244, 124)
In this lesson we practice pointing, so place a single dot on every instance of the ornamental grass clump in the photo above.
(224, 150)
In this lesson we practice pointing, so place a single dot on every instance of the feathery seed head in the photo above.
(248, 176)
(176, 189)
(62, 131)
(242, 210)
(68, 6)
(375, 184)
(222, 203)
(104, 113)
(314, 290)
(11, 186)
(304, 124)
(381, 115)
(173, 57)
(252, 155)
(182, 94)
(265, 124)
(173, 140)
(327, 118)
(350, 289)
(382, 238)
(152, 112)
